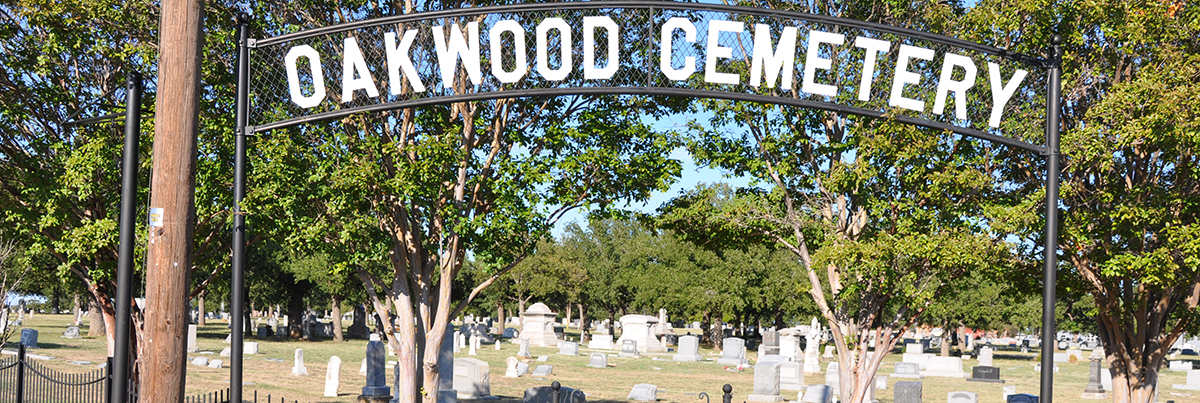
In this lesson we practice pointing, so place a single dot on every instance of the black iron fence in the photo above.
(24, 381)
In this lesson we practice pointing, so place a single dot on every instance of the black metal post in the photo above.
(239, 221)
(21, 373)
(108, 382)
(119, 392)
(1050, 270)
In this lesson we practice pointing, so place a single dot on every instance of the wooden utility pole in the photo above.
(172, 203)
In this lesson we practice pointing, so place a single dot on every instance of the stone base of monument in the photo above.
(985, 380)
(686, 357)
(374, 399)
(764, 398)
(1094, 396)
(447, 396)
(732, 361)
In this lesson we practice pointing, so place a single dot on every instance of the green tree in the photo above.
(1129, 183)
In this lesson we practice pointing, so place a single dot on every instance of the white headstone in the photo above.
(191, 339)
(363, 369)
(643, 392)
(601, 342)
(298, 368)
(945, 367)
(215, 364)
(472, 378)
(640, 328)
(333, 376)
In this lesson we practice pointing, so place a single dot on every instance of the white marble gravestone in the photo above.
(598, 360)
(640, 328)
(733, 351)
(191, 339)
(791, 376)
(962, 397)
(568, 348)
(298, 368)
(333, 373)
(689, 349)
(945, 367)
(766, 383)
(537, 325)
(643, 392)
(789, 344)
(471, 379)
(601, 342)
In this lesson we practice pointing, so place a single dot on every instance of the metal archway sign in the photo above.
(657, 48)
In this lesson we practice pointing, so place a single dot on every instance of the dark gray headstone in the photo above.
(543, 394)
(1093, 385)
(907, 392)
(1022, 398)
(985, 374)
(376, 371)
(29, 337)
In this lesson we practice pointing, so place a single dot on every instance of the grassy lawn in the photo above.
(269, 372)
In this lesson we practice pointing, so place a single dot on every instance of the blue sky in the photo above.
(690, 177)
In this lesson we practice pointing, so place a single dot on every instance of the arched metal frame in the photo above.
(1050, 149)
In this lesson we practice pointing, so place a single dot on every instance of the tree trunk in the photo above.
(201, 321)
(337, 317)
(568, 320)
(295, 317)
(56, 301)
(1134, 366)
(584, 334)
(95, 319)
(501, 320)
(77, 310)
(946, 339)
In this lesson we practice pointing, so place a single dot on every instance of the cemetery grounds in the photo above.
(269, 371)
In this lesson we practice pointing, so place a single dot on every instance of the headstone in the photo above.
(537, 325)
(225, 352)
(29, 338)
(376, 382)
(601, 342)
(333, 376)
(263, 331)
(542, 358)
(689, 349)
(1022, 398)
(791, 376)
(945, 367)
(789, 344)
(766, 383)
(817, 394)
(514, 368)
(642, 392)
(73, 332)
(568, 348)
(907, 370)
(907, 392)
(523, 352)
(362, 370)
(1179, 366)
(812, 341)
(880, 381)
(962, 397)
(543, 370)
(640, 328)
(828, 352)
(200, 361)
(471, 378)
(833, 377)
(474, 346)
(298, 368)
(250, 347)
(770, 338)
(191, 338)
(985, 357)
(1060, 357)
(598, 360)
(1008, 390)
(215, 364)
(629, 348)
(914, 348)
(510, 333)
(733, 352)
(544, 394)
(358, 329)
(1193, 381)
(985, 374)
(446, 368)
(1094, 390)
(921, 360)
